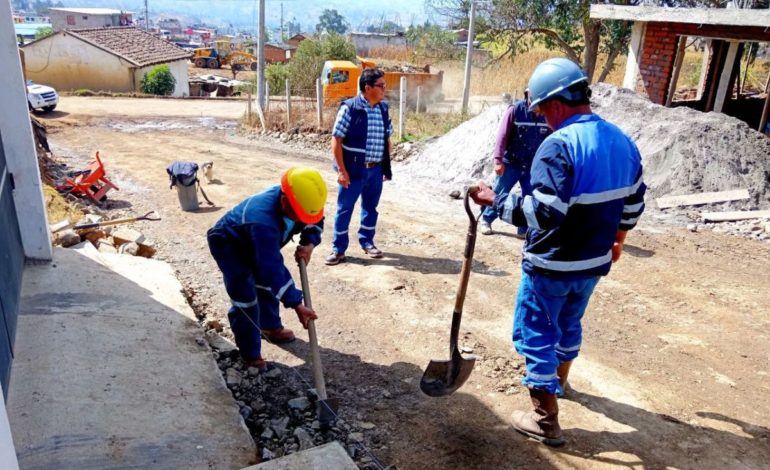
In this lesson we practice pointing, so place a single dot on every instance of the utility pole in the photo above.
(468, 57)
(280, 40)
(146, 17)
(261, 56)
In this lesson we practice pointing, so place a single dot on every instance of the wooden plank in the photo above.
(734, 215)
(702, 198)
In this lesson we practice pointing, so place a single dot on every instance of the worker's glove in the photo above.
(499, 169)
(305, 314)
(303, 252)
(482, 194)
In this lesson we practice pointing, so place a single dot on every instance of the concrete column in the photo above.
(724, 78)
(634, 54)
(19, 146)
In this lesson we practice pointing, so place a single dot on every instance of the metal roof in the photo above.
(92, 11)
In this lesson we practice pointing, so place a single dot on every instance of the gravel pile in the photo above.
(684, 151)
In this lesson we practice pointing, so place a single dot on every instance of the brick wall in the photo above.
(659, 51)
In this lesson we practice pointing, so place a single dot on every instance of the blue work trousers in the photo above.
(504, 184)
(546, 325)
(253, 307)
(369, 188)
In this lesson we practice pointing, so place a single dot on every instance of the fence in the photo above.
(293, 109)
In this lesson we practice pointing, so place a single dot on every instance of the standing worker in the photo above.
(587, 193)
(521, 133)
(361, 149)
(246, 244)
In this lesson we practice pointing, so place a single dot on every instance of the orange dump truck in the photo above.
(340, 81)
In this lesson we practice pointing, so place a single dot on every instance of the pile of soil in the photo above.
(684, 151)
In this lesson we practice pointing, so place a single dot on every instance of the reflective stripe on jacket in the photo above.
(257, 227)
(587, 184)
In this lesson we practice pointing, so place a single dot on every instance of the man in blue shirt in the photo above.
(246, 244)
(361, 149)
(587, 192)
(520, 134)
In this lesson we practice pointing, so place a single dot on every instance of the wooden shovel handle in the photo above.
(318, 376)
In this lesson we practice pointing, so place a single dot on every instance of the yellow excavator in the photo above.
(223, 54)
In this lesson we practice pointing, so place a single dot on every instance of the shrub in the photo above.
(306, 65)
(83, 92)
(158, 81)
(275, 76)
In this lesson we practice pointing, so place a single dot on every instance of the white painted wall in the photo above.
(178, 69)
(67, 63)
(19, 146)
(634, 54)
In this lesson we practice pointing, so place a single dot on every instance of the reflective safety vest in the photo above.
(526, 132)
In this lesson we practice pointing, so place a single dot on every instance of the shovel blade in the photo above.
(442, 378)
(327, 413)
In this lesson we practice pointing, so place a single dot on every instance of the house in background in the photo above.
(172, 25)
(81, 18)
(298, 38)
(365, 42)
(111, 59)
(278, 53)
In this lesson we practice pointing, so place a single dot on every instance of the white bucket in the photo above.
(188, 195)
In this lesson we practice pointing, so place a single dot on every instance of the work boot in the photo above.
(278, 335)
(485, 228)
(373, 251)
(563, 371)
(542, 423)
(259, 363)
(334, 258)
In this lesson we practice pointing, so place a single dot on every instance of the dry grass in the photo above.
(423, 126)
(58, 208)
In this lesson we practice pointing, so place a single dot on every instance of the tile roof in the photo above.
(136, 46)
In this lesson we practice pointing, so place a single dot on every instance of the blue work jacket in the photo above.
(258, 227)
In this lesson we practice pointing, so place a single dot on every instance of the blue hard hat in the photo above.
(552, 78)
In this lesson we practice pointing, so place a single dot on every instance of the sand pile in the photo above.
(461, 156)
(684, 151)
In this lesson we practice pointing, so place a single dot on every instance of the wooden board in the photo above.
(702, 198)
(734, 215)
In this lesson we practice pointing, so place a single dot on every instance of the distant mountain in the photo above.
(243, 13)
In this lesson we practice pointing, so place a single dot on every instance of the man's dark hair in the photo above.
(369, 77)
(582, 90)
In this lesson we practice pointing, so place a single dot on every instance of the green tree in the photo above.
(43, 32)
(308, 61)
(275, 76)
(331, 21)
(158, 81)
(432, 41)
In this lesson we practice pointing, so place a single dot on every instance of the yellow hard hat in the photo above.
(306, 192)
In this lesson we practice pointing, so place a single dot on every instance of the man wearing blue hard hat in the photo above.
(587, 192)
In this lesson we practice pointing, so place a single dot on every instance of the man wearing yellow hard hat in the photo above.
(246, 244)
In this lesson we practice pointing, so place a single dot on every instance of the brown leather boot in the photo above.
(542, 423)
(278, 335)
(563, 371)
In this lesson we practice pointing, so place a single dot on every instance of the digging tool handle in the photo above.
(470, 245)
(147, 216)
(318, 376)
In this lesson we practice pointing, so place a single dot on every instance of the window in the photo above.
(71, 20)
(340, 76)
(85, 17)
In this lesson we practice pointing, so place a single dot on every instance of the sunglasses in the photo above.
(379, 85)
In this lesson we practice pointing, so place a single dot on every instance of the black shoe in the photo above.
(373, 251)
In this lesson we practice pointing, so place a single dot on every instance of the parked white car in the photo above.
(41, 97)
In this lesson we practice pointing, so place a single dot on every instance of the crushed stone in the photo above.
(684, 151)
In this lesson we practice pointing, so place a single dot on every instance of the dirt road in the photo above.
(674, 367)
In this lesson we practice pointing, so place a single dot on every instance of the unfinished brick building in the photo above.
(657, 46)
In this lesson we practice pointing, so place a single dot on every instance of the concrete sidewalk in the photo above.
(108, 374)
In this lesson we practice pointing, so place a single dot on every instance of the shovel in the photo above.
(152, 215)
(327, 408)
(442, 378)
